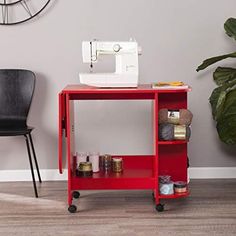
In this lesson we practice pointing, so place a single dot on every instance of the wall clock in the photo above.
(14, 12)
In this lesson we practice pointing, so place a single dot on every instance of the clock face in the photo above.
(14, 12)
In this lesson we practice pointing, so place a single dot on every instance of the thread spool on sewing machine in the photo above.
(126, 54)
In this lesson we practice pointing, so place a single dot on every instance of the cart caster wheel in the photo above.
(76, 194)
(72, 208)
(160, 207)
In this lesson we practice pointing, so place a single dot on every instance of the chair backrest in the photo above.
(16, 93)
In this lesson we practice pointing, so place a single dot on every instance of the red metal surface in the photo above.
(140, 172)
(61, 118)
(137, 162)
(173, 161)
(171, 142)
(128, 179)
(179, 195)
(68, 149)
(173, 154)
(137, 174)
(156, 148)
(175, 100)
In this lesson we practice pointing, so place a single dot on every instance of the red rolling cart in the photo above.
(140, 172)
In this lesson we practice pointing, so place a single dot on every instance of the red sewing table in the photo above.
(140, 171)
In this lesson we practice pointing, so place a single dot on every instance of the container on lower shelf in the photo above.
(180, 187)
(166, 188)
(170, 189)
(85, 169)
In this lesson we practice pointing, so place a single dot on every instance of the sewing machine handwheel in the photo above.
(76, 194)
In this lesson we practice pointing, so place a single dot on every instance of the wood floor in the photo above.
(210, 210)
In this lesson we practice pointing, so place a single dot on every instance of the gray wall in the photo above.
(175, 36)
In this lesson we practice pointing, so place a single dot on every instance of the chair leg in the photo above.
(31, 165)
(35, 159)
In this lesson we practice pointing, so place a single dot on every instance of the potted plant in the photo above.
(223, 98)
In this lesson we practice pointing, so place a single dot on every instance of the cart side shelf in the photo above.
(174, 195)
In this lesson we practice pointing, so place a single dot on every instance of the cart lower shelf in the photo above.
(128, 179)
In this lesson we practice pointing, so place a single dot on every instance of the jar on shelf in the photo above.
(81, 157)
(85, 169)
(105, 162)
(94, 159)
(164, 179)
(180, 187)
(117, 165)
(166, 188)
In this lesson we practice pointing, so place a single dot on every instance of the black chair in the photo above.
(16, 92)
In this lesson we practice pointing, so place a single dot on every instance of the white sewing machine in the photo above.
(126, 73)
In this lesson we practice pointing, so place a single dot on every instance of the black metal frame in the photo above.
(29, 142)
(5, 4)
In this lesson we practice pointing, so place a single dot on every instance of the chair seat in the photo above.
(13, 131)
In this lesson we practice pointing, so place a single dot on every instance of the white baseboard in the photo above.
(212, 172)
(53, 174)
(25, 175)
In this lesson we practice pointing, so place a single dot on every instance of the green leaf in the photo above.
(230, 102)
(223, 98)
(217, 98)
(224, 74)
(213, 60)
(214, 100)
(226, 125)
(230, 27)
(220, 104)
(226, 129)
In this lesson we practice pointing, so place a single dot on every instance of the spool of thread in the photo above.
(164, 179)
(180, 187)
(181, 116)
(105, 162)
(170, 132)
(81, 157)
(117, 165)
(94, 159)
(166, 188)
(85, 169)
